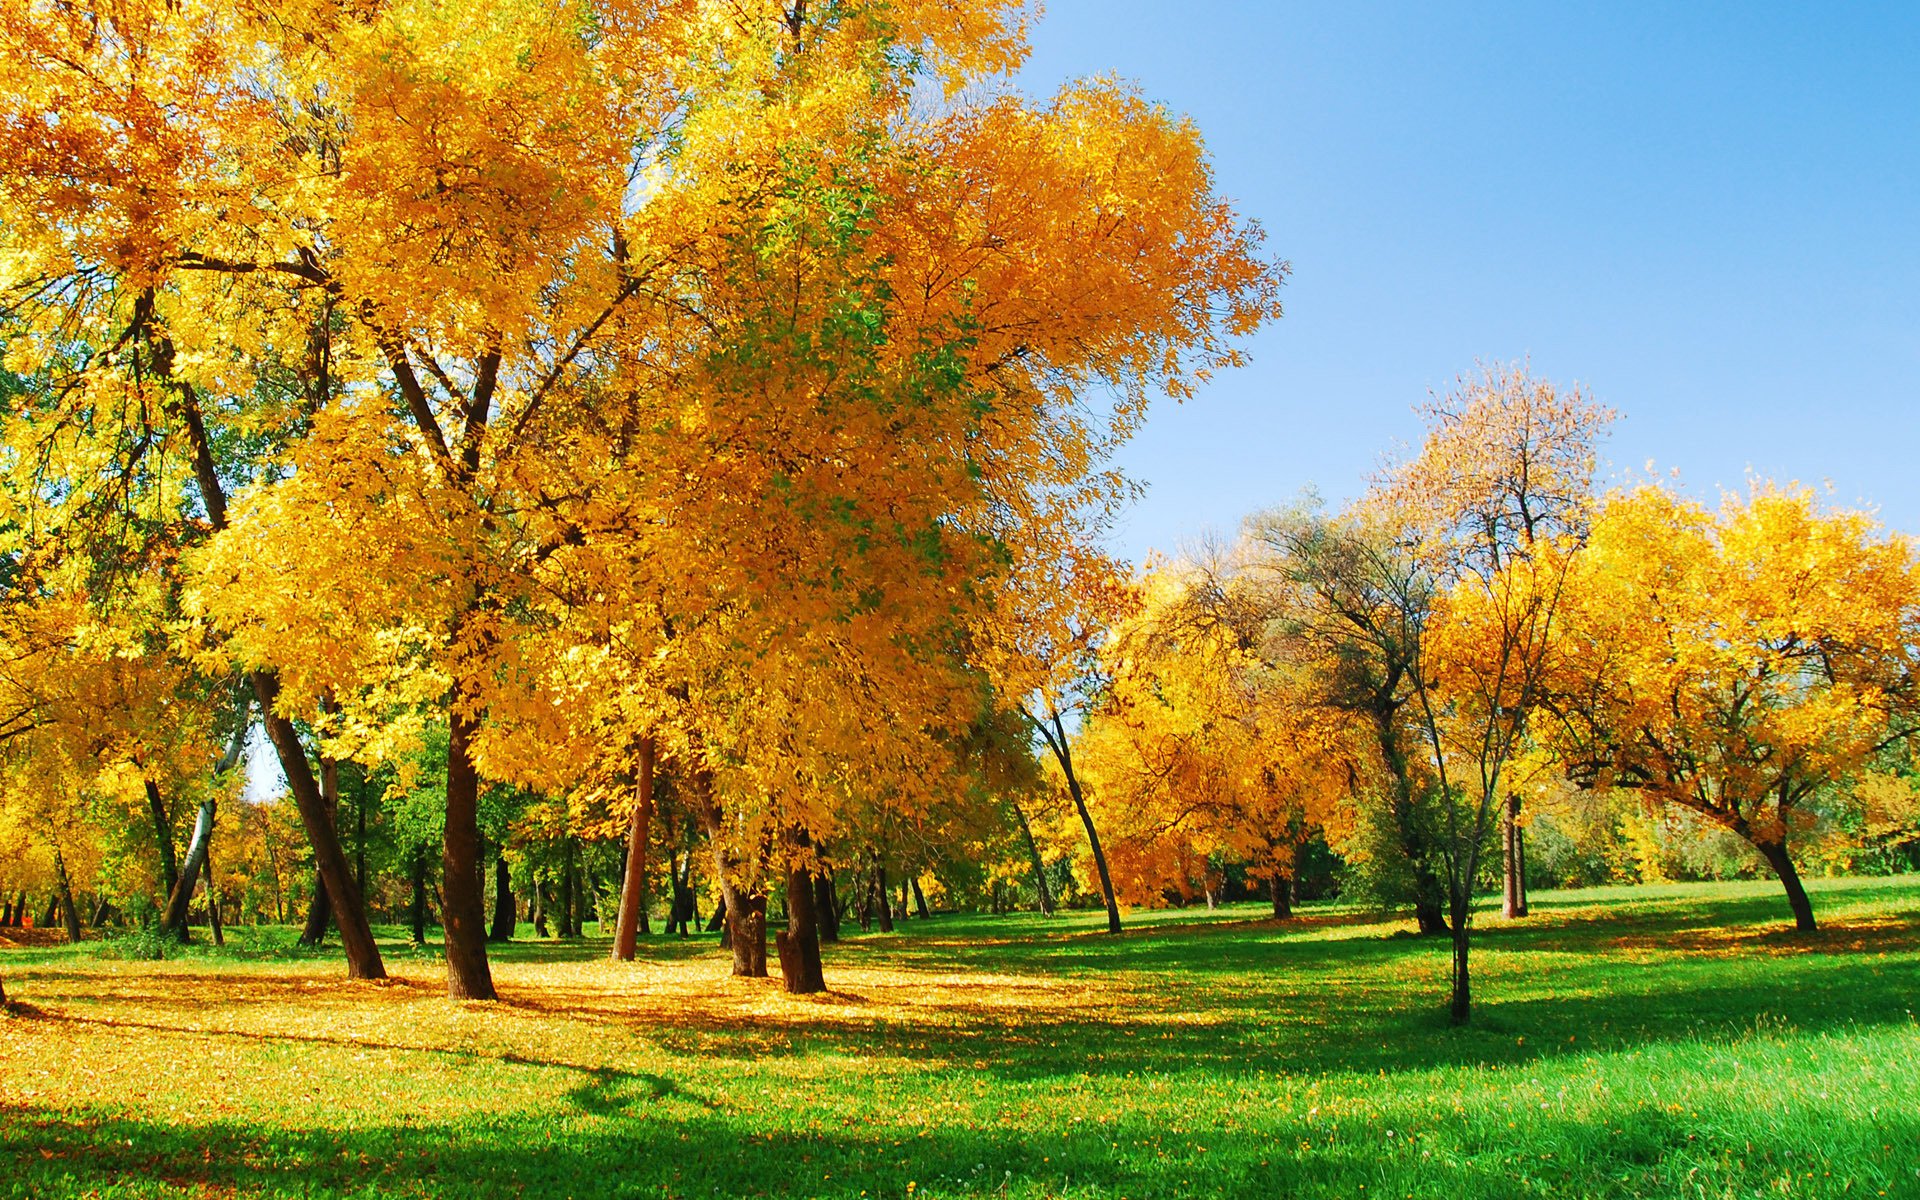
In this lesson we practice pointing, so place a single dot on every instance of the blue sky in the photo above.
(1708, 214)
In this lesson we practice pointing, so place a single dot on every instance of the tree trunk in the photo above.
(920, 900)
(163, 832)
(1461, 1008)
(462, 911)
(181, 898)
(1039, 867)
(799, 942)
(1782, 863)
(567, 927)
(1065, 756)
(419, 914)
(540, 908)
(746, 920)
(363, 955)
(67, 907)
(213, 897)
(826, 909)
(633, 888)
(884, 901)
(317, 913)
(503, 906)
(1281, 889)
(1513, 866)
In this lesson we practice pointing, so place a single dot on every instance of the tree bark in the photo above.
(163, 832)
(419, 872)
(1065, 757)
(356, 936)
(67, 907)
(503, 906)
(462, 911)
(920, 899)
(826, 908)
(318, 911)
(213, 897)
(1461, 1008)
(1782, 863)
(1281, 890)
(746, 916)
(1513, 865)
(568, 928)
(633, 888)
(881, 898)
(799, 942)
(1039, 867)
(181, 898)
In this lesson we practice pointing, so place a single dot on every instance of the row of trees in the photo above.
(1482, 631)
(625, 399)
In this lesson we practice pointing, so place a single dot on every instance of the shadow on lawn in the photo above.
(656, 1147)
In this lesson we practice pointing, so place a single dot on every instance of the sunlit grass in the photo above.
(1649, 1042)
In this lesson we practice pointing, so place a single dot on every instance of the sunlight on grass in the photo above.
(1645, 1042)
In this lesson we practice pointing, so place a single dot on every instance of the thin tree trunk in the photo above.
(920, 899)
(1782, 863)
(213, 897)
(67, 907)
(633, 888)
(1513, 866)
(1039, 867)
(1461, 1008)
(567, 926)
(462, 911)
(826, 909)
(503, 906)
(356, 936)
(419, 873)
(880, 890)
(163, 832)
(1064, 755)
(181, 898)
(540, 907)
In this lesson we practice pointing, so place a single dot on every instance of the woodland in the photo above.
(642, 470)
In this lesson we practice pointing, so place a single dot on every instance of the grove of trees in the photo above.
(651, 457)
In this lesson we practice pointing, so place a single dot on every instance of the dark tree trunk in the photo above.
(181, 898)
(799, 942)
(826, 909)
(745, 915)
(1782, 863)
(503, 906)
(920, 899)
(1040, 888)
(1064, 755)
(53, 911)
(363, 955)
(317, 913)
(684, 912)
(881, 898)
(163, 833)
(1514, 868)
(419, 872)
(462, 910)
(633, 887)
(1281, 889)
(717, 923)
(68, 910)
(567, 927)
(1461, 1008)
(540, 908)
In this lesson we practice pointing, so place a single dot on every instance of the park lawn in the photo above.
(1675, 1041)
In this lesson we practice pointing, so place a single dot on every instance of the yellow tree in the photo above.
(1740, 664)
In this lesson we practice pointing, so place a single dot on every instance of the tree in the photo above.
(1740, 664)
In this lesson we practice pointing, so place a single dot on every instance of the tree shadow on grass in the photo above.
(644, 1145)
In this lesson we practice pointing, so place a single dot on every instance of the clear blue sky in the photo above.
(1709, 214)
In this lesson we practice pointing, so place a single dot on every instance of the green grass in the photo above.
(1672, 1042)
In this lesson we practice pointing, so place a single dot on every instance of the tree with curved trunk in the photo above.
(633, 886)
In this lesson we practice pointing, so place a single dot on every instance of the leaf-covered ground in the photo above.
(1670, 1042)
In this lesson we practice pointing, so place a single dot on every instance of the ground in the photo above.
(1673, 1042)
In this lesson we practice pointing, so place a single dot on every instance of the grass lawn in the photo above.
(1672, 1042)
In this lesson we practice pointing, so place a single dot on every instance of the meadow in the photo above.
(1671, 1041)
